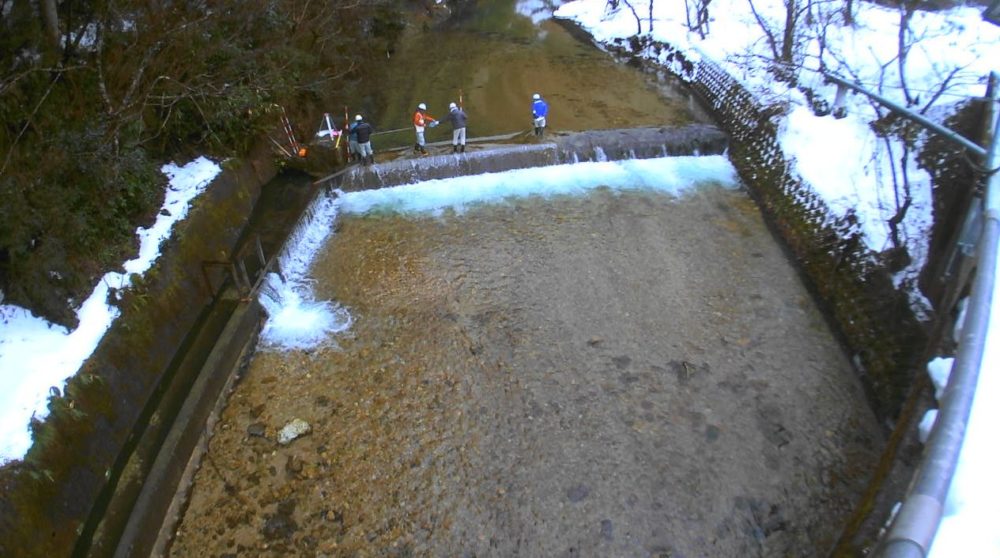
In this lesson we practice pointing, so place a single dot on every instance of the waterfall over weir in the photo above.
(298, 321)
(593, 145)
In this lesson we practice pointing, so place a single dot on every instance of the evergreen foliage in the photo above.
(94, 101)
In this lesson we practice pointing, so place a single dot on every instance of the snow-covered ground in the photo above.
(36, 356)
(847, 164)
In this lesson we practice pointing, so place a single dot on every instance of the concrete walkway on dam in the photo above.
(617, 374)
(558, 148)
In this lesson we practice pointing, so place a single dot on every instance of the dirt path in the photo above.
(616, 375)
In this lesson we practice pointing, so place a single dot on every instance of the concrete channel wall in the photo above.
(167, 473)
(83, 453)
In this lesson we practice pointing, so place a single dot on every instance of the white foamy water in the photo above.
(298, 321)
(670, 175)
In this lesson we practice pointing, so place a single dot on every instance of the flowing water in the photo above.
(618, 372)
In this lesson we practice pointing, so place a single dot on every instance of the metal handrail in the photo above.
(238, 270)
(955, 137)
(913, 529)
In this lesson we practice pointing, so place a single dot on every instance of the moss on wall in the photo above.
(49, 494)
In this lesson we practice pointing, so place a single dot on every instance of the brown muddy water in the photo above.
(615, 375)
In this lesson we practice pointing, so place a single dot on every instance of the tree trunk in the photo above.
(788, 40)
(638, 20)
(905, 14)
(50, 17)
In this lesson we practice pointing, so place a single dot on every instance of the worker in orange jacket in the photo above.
(422, 120)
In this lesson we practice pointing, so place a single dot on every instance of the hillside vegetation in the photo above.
(96, 95)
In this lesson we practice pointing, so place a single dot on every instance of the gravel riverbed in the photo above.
(621, 374)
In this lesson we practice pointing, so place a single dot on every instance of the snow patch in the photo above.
(38, 357)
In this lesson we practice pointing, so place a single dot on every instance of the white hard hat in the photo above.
(358, 118)
(422, 106)
(536, 96)
(452, 106)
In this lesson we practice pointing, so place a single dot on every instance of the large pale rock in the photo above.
(294, 429)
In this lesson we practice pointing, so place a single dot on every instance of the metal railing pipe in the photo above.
(915, 525)
(895, 107)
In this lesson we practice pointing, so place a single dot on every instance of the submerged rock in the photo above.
(280, 525)
(256, 429)
(294, 429)
(607, 530)
(578, 493)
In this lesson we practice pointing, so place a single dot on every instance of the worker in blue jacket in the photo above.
(539, 110)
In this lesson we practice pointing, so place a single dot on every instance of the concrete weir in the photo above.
(595, 145)
(167, 487)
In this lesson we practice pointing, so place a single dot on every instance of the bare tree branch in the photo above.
(771, 41)
(901, 208)
(638, 20)
(942, 87)
(905, 14)
(27, 122)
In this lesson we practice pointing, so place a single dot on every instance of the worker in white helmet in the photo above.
(539, 110)
(364, 131)
(421, 120)
(352, 139)
(458, 120)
